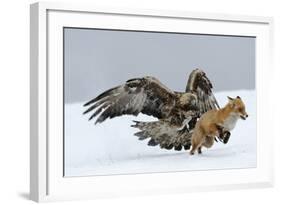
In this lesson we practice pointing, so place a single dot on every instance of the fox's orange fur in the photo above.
(212, 122)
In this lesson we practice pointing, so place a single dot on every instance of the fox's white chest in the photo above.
(230, 122)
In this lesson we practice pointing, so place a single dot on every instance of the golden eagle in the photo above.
(177, 112)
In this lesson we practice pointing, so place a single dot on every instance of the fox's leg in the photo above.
(194, 148)
(223, 134)
(220, 132)
(209, 141)
(226, 136)
(196, 142)
(200, 150)
(214, 131)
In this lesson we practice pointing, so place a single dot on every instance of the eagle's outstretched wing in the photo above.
(146, 95)
(199, 84)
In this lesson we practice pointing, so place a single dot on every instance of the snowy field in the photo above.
(111, 148)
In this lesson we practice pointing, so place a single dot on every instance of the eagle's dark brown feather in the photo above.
(141, 95)
(200, 84)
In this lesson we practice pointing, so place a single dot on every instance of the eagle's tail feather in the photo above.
(164, 134)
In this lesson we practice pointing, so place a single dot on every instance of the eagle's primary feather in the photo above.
(177, 111)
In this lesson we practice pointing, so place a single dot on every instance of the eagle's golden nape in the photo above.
(149, 96)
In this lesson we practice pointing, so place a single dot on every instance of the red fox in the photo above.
(213, 122)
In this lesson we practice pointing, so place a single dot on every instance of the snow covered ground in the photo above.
(111, 148)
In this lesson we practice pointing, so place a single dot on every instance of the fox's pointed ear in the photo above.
(238, 97)
(230, 98)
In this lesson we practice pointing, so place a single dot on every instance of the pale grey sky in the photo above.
(96, 60)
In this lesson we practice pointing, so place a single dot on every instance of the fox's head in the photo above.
(238, 107)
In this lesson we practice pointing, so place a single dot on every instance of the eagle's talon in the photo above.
(185, 124)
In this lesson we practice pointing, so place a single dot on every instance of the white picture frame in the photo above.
(46, 161)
